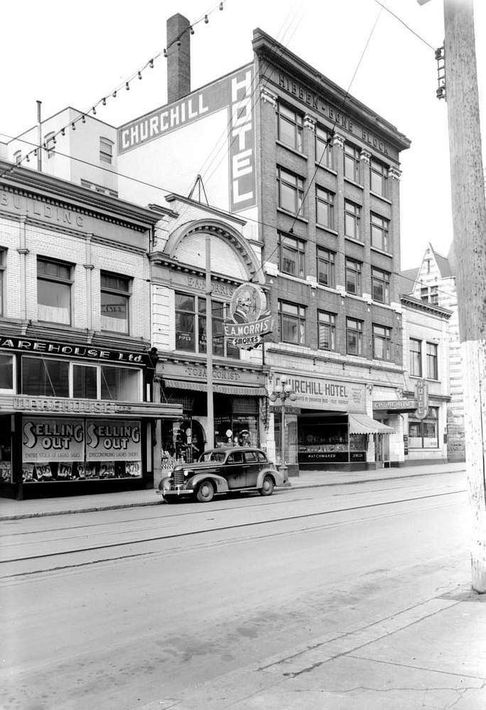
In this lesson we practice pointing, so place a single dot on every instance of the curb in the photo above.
(121, 506)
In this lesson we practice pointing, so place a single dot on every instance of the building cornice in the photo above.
(51, 189)
(417, 305)
(271, 49)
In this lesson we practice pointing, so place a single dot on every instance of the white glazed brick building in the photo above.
(433, 282)
(76, 358)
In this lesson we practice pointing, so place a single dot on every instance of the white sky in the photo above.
(73, 53)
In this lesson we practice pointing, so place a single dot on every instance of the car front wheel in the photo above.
(205, 492)
(267, 486)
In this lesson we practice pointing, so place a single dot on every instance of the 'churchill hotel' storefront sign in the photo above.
(319, 393)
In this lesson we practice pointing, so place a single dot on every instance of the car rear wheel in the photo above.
(267, 486)
(205, 492)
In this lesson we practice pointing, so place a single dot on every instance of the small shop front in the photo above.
(69, 431)
(238, 395)
(326, 424)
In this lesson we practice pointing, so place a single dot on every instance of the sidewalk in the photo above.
(17, 509)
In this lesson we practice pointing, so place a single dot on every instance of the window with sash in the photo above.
(191, 329)
(289, 127)
(381, 342)
(324, 208)
(323, 147)
(415, 351)
(424, 433)
(54, 282)
(326, 261)
(352, 159)
(378, 177)
(380, 285)
(291, 319)
(432, 361)
(354, 336)
(290, 190)
(380, 228)
(115, 302)
(353, 276)
(292, 255)
(326, 329)
(352, 219)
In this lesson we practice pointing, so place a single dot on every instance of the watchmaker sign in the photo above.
(250, 318)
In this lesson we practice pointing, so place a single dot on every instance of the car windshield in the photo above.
(213, 456)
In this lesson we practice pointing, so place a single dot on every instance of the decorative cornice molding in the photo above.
(394, 173)
(338, 140)
(365, 156)
(310, 122)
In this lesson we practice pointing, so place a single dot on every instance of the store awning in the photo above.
(362, 424)
(237, 390)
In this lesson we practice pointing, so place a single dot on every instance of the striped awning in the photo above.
(236, 390)
(362, 424)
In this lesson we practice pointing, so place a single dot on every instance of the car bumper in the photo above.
(175, 492)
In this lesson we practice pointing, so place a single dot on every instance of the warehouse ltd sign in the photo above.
(318, 393)
(70, 350)
(233, 92)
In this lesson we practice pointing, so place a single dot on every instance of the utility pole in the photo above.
(469, 227)
(39, 135)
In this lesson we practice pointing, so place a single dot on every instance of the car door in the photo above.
(234, 470)
(253, 467)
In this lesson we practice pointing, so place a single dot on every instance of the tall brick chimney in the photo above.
(178, 58)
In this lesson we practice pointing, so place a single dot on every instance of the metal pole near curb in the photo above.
(469, 226)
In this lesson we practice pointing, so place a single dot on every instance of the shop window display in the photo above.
(72, 449)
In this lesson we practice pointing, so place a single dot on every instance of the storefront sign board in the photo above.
(319, 393)
(109, 440)
(45, 440)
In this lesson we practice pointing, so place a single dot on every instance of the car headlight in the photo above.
(187, 472)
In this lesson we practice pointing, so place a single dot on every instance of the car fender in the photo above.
(164, 483)
(276, 475)
(221, 484)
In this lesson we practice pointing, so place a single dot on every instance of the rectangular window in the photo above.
(290, 190)
(424, 434)
(120, 383)
(354, 336)
(323, 147)
(324, 208)
(415, 349)
(326, 328)
(291, 323)
(379, 232)
(44, 377)
(378, 177)
(434, 295)
(289, 127)
(380, 285)
(3, 259)
(49, 144)
(381, 342)
(326, 267)
(53, 291)
(353, 276)
(85, 381)
(6, 373)
(106, 151)
(115, 302)
(292, 255)
(17, 156)
(351, 162)
(190, 326)
(352, 218)
(432, 361)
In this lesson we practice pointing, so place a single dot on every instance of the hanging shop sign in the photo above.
(250, 318)
(88, 352)
(397, 405)
(108, 440)
(422, 395)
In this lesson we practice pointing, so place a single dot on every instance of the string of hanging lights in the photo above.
(51, 142)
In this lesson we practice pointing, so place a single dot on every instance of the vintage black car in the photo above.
(222, 471)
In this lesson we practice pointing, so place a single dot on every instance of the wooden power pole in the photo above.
(469, 226)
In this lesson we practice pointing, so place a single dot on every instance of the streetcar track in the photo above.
(210, 545)
(191, 533)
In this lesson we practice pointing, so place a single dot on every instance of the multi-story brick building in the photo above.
(434, 282)
(305, 182)
(76, 360)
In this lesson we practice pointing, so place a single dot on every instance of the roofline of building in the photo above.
(264, 44)
(173, 196)
(56, 188)
(419, 305)
(49, 118)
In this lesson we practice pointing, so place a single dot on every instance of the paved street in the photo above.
(211, 606)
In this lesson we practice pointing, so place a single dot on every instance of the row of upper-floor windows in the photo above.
(290, 197)
(106, 147)
(290, 128)
(51, 377)
(292, 320)
(55, 281)
(292, 261)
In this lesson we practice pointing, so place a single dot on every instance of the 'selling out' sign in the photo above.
(234, 92)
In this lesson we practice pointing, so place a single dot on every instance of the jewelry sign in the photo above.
(250, 317)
